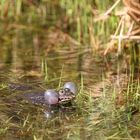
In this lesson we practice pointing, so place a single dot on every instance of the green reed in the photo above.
(81, 16)
(82, 13)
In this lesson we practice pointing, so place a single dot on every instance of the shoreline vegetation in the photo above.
(94, 43)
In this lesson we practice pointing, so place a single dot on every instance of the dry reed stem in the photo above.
(133, 10)
(130, 29)
(133, 7)
(124, 37)
(121, 35)
(120, 27)
(108, 12)
(135, 31)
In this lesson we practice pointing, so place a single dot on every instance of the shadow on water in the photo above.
(31, 63)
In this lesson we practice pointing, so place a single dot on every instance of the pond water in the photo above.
(48, 62)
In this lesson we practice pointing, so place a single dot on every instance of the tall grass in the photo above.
(80, 13)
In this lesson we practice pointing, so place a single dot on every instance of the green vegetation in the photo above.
(79, 17)
(45, 43)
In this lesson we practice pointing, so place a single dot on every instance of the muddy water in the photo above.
(42, 66)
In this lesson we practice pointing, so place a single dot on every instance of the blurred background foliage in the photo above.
(75, 17)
